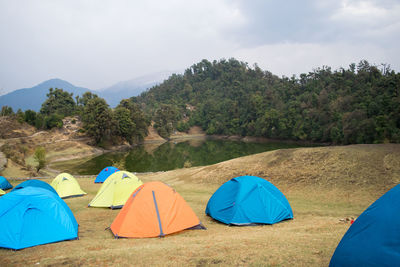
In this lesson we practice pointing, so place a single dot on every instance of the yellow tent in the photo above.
(67, 186)
(116, 190)
(2, 192)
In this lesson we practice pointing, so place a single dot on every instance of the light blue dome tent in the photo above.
(4, 184)
(103, 175)
(374, 238)
(35, 183)
(34, 216)
(248, 200)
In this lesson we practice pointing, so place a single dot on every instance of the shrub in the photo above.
(40, 157)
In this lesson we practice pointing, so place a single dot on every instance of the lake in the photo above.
(170, 155)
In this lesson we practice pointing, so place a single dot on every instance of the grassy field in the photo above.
(319, 206)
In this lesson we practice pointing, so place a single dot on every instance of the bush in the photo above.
(54, 120)
(30, 117)
(6, 111)
(40, 157)
(40, 121)
(20, 116)
(187, 164)
(183, 126)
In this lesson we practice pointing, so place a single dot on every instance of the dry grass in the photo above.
(307, 240)
(14, 170)
(319, 203)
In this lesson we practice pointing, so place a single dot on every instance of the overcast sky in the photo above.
(96, 43)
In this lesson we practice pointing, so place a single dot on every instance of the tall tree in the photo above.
(125, 127)
(58, 101)
(97, 119)
(165, 120)
(138, 118)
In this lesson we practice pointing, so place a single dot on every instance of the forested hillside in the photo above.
(360, 104)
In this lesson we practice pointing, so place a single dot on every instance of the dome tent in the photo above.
(67, 186)
(35, 183)
(105, 173)
(374, 238)
(114, 192)
(154, 210)
(248, 200)
(4, 184)
(34, 216)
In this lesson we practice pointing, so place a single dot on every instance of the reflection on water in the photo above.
(169, 156)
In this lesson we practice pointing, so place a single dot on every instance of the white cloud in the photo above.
(368, 19)
(363, 10)
(95, 43)
(296, 58)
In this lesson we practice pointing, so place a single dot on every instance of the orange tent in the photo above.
(154, 210)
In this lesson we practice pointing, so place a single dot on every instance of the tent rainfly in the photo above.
(67, 186)
(248, 200)
(105, 173)
(114, 192)
(154, 210)
(34, 216)
(4, 184)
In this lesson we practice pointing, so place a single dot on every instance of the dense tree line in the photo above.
(360, 104)
(126, 122)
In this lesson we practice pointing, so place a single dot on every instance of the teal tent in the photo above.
(35, 183)
(374, 238)
(248, 200)
(4, 184)
(34, 216)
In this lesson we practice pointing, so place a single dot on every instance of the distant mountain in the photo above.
(32, 98)
(134, 87)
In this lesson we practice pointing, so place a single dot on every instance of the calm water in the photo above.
(169, 156)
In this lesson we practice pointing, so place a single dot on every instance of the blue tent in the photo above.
(103, 175)
(34, 216)
(4, 184)
(35, 183)
(374, 238)
(248, 200)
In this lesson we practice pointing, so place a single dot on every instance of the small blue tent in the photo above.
(4, 184)
(248, 200)
(103, 175)
(34, 216)
(35, 183)
(374, 238)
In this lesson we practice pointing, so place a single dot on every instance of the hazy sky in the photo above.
(96, 43)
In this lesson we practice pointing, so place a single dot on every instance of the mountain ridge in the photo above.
(33, 97)
(133, 87)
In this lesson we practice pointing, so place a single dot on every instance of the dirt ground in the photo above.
(22, 139)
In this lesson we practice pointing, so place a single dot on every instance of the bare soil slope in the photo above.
(18, 142)
(375, 166)
(11, 128)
